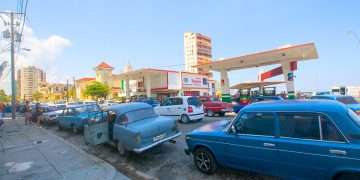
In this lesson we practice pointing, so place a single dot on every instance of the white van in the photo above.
(183, 108)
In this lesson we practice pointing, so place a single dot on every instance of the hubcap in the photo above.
(184, 119)
(203, 161)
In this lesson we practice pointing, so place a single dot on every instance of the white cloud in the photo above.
(44, 53)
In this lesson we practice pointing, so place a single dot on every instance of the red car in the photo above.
(214, 106)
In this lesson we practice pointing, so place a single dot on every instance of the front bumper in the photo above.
(142, 149)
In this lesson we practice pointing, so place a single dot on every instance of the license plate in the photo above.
(159, 137)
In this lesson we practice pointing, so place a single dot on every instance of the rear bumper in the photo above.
(142, 149)
(196, 116)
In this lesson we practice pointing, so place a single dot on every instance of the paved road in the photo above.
(167, 161)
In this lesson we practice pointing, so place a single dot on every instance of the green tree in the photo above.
(37, 96)
(97, 90)
(3, 97)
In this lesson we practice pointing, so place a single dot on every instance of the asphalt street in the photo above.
(167, 161)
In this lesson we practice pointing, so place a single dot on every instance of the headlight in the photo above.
(187, 137)
(138, 138)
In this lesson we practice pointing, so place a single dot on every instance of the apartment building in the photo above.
(29, 80)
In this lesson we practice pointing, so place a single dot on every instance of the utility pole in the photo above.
(13, 86)
(67, 90)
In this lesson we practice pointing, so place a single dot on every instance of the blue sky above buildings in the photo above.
(150, 34)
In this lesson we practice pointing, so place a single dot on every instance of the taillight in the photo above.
(190, 109)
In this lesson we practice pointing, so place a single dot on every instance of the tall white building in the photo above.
(197, 50)
(29, 80)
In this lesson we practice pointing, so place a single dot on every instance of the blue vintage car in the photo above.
(136, 127)
(313, 139)
(347, 100)
(75, 116)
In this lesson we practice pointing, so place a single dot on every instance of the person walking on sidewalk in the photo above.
(38, 113)
(2, 110)
(28, 113)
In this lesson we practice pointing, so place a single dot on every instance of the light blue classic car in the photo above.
(76, 116)
(136, 127)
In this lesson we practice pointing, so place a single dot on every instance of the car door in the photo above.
(65, 119)
(309, 145)
(251, 143)
(177, 108)
(165, 108)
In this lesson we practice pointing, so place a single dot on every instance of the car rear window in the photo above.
(194, 101)
(140, 114)
(347, 100)
(354, 116)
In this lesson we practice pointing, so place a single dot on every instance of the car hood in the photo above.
(354, 107)
(215, 126)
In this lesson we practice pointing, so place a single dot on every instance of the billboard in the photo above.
(194, 81)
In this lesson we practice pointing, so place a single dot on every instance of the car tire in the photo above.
(75, 130)
(205, 161)
(210, 113)
(222, 114)
(348, 176)
(121, 149)
(184, 118)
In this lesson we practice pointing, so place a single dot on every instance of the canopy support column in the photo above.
(147, 85)
(289, 78)
(225, 88)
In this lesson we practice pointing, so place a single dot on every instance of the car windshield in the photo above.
(140, 114)
(354, 116)
(51, 109)
(91, 108)
(194, 101)
(347, 100)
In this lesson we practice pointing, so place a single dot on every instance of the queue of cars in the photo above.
(291, 139)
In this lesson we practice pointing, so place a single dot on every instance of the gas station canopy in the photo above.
(249, 85)
(277, 56)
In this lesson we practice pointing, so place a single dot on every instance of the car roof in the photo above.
(127, 107)
(297, 106)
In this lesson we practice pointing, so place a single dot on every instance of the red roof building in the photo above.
(104, 65)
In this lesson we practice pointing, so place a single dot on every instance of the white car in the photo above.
(183, 108)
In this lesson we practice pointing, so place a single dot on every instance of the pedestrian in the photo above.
(28, 113)
(2, 110)
(38, 112)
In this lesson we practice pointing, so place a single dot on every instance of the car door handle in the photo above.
(337, 152)
(269, 145)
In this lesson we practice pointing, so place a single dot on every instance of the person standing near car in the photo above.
(38, 113)
(27, 111)
(2, 110)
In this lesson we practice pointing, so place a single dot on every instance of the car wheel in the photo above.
(222, 114)
(75, 129)
(348, 176)
(210, 113)
(121, 149)
(184, 118)
(204, 161)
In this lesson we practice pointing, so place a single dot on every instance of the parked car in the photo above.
(74, 117)
(151, 101)
(290, 139)
(214, 106)
(347, 100)
(183, 108)
(238, 106)
(136, 127)
(50, 113)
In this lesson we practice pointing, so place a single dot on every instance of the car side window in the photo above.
(329, 130)
(299, 125)
(255, 123)
(177, 101)
(167, 102)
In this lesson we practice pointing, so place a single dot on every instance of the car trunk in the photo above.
(153, 129)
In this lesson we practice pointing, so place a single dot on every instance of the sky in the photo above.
(69, 38)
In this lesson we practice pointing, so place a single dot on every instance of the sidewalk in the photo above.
(28, 152)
